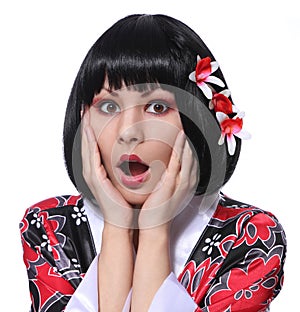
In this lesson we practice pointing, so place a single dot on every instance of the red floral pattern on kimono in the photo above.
(236, 265)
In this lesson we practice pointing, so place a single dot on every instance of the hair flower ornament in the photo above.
(231, 127)
(227, 114)
(202, 75)
(220, 103)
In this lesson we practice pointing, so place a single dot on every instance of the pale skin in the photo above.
(136, 218)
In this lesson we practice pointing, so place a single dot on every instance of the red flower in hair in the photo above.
(221, 103)
(231, 127)
(202, 75)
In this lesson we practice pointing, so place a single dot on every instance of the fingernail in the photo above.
(82, 110)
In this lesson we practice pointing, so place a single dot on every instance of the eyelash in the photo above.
(102, 106)
(166, 107)
(149, 108)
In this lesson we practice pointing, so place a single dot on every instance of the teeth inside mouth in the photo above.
(133, 168)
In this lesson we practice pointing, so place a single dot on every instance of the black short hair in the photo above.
(141, 49)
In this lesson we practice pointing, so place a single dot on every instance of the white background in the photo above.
(42, 46)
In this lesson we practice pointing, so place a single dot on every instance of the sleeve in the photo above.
(85, 298)
(251, 275)
(52, 278)
(172, 296)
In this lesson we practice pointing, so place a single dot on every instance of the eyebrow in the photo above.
(113, 93)
(97, 97)
(116, 94)
(144, 94)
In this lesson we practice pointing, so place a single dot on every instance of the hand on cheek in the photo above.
(114, 207)
(174, 190)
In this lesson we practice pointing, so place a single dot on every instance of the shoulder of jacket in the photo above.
(57, 202)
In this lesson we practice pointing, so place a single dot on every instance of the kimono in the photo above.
(236, 263)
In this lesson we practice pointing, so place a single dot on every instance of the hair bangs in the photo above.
(133, 53)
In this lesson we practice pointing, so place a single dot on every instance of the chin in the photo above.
(134, 197)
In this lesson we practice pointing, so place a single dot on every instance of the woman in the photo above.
(151, 135)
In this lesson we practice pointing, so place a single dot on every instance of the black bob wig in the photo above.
(141, 49)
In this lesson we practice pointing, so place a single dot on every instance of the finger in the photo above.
(188, 162)
(168, 180)
(85, 116)
(188, 176)
(175, 159)
(82, 110)
(85, 155)
(94, 153)
(90, 151)
(196, 174)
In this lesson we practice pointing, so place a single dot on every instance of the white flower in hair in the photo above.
(231, 127)
(202, 75)
(227, 114)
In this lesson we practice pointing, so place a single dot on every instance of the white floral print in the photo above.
(79, 215)
(46, 242)
(211, 242)
(75, 263)
(37, 220)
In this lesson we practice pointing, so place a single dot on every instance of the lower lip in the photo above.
(133, 181)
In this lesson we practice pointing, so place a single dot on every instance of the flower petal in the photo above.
(221, 140)
(221, 116)
(215, 80)
(235, 109)
(206, 90)
(203, 69)
(240, 114)
(222, 103)
(192, 76)
(226, 92)
(209, 251)
(231, 144)
(214, 66)
(243, 134)
(205, 248)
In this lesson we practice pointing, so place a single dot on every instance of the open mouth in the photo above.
(133, 171)
(133, 168)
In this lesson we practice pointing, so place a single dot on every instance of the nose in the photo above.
(130, 127)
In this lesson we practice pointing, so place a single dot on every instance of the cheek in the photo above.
(105, 136)
(160, 151)
(105, 144)
(164, 131)
(101, 124)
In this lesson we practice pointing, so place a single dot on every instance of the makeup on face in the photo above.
(136, 132)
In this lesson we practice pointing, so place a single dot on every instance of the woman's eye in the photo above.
(109, 107)
(157, 107)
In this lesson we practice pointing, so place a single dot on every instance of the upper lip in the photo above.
(130, 158)
(126, 160)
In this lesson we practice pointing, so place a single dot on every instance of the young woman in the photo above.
(151, 135)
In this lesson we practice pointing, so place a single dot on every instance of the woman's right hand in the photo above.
(114, 207)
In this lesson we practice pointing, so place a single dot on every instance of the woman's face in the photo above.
(135, 132)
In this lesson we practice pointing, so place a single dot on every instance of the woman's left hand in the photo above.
(175, 189)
